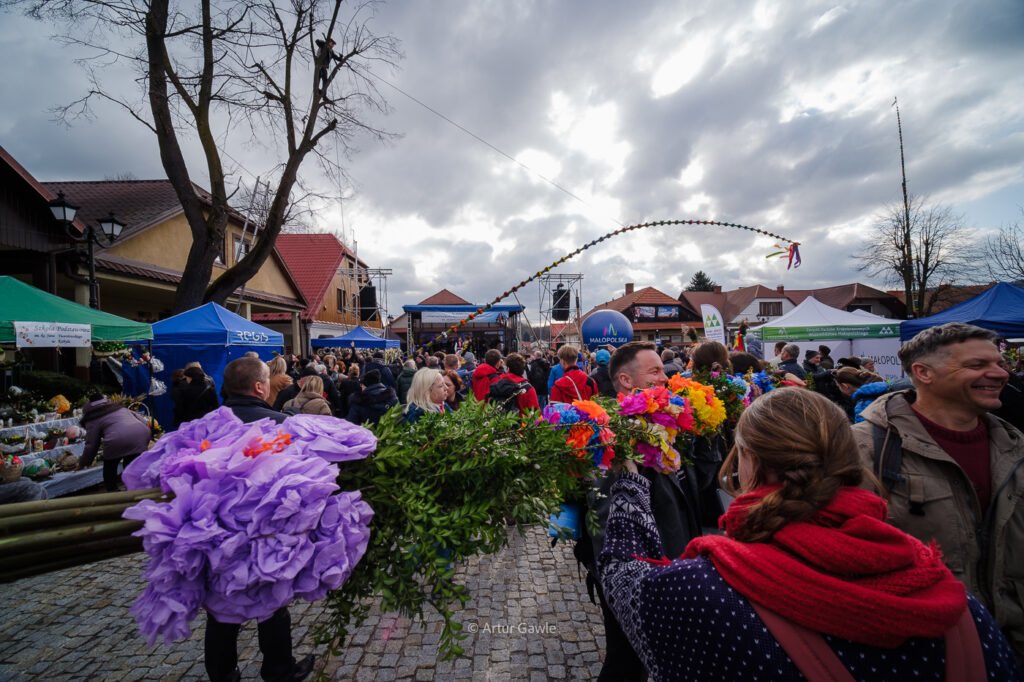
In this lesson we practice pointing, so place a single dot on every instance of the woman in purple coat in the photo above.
(123, 434)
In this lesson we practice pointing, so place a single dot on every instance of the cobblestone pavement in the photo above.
(529, 619)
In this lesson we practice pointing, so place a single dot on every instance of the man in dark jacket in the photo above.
(537, 372)
(195, 397)
(600, 374)
(377, 363)
(788, 360)
(370, 404)
(637, 365)
(247, 385)
(404, 380)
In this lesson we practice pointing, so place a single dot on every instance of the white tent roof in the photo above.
(870, 316)
(812, 319)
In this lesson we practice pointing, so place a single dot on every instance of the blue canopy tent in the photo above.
(357, 338)
(1000, 309)
(212, 336)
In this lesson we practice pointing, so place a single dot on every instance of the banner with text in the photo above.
(52, 335)
(714, 323)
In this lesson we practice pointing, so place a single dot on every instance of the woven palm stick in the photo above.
(69, 562)
(52, 520)
(130, 496)
(12, 562)
(34, 540)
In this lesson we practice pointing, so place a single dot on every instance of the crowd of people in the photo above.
(875, 527)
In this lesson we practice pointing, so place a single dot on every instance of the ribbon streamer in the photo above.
(791, 250)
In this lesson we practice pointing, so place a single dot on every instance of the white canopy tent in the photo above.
(812, 324)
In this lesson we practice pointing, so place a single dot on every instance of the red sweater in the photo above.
(970, 450)
(483, 376)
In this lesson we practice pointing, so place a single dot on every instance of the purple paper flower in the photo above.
(255, 522)
(336, 440)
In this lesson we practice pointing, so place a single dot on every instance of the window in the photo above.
(866, 307)
(770, 309)
(341, 300)
(241, 248)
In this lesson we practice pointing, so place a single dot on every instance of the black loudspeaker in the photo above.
(560, 303)
(367, 304)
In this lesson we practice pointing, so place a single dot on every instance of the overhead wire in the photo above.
(488, 144)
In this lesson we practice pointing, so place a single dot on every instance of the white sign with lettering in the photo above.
(52, 335)
(252, 337)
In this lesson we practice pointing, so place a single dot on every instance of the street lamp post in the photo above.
(110, 228)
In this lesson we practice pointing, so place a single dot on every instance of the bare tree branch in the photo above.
(219, 68)
(935, 253)
(1004, 253)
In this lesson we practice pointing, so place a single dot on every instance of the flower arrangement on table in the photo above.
(256, 521)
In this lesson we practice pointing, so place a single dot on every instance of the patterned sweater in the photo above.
(686, 623)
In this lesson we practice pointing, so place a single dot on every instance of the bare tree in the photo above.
(291, 74)
(934, 249)
(1004, 253)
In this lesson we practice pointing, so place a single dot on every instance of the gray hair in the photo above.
(934, 339)
(792, 350)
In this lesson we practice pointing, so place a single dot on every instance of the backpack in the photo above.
(538, 374)
(504, 392)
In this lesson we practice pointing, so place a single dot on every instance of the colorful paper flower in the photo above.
(256, 521)
(587, 430)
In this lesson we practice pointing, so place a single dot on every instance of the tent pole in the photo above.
(148, 401)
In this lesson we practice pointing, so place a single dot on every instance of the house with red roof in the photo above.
(334, 283)
(655, 315)
(137, 275)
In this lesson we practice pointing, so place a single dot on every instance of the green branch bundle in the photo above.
(442, 491)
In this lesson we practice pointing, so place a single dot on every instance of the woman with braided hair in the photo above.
(808, 581)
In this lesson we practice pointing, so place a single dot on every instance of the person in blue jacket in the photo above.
(862, 386)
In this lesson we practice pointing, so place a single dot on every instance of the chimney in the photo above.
(717, 289)
(781, 289)
(629, 288)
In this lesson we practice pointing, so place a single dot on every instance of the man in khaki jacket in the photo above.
(953, 471)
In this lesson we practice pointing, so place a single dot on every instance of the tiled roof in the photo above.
(694, 299)
(44, 192)
(838, 296)
(645, 296)
(125, 266)
(444, 297)
(313, 259)
(271, 317)
(139, 204)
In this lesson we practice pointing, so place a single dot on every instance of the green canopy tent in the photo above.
(20, 302)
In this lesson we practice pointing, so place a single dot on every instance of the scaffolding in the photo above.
(547, 287)
(364, 277)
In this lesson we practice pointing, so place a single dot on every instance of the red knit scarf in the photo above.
(843, 572)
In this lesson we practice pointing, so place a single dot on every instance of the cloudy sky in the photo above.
(770, 114)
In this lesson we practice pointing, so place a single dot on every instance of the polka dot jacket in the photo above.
(686, 623)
